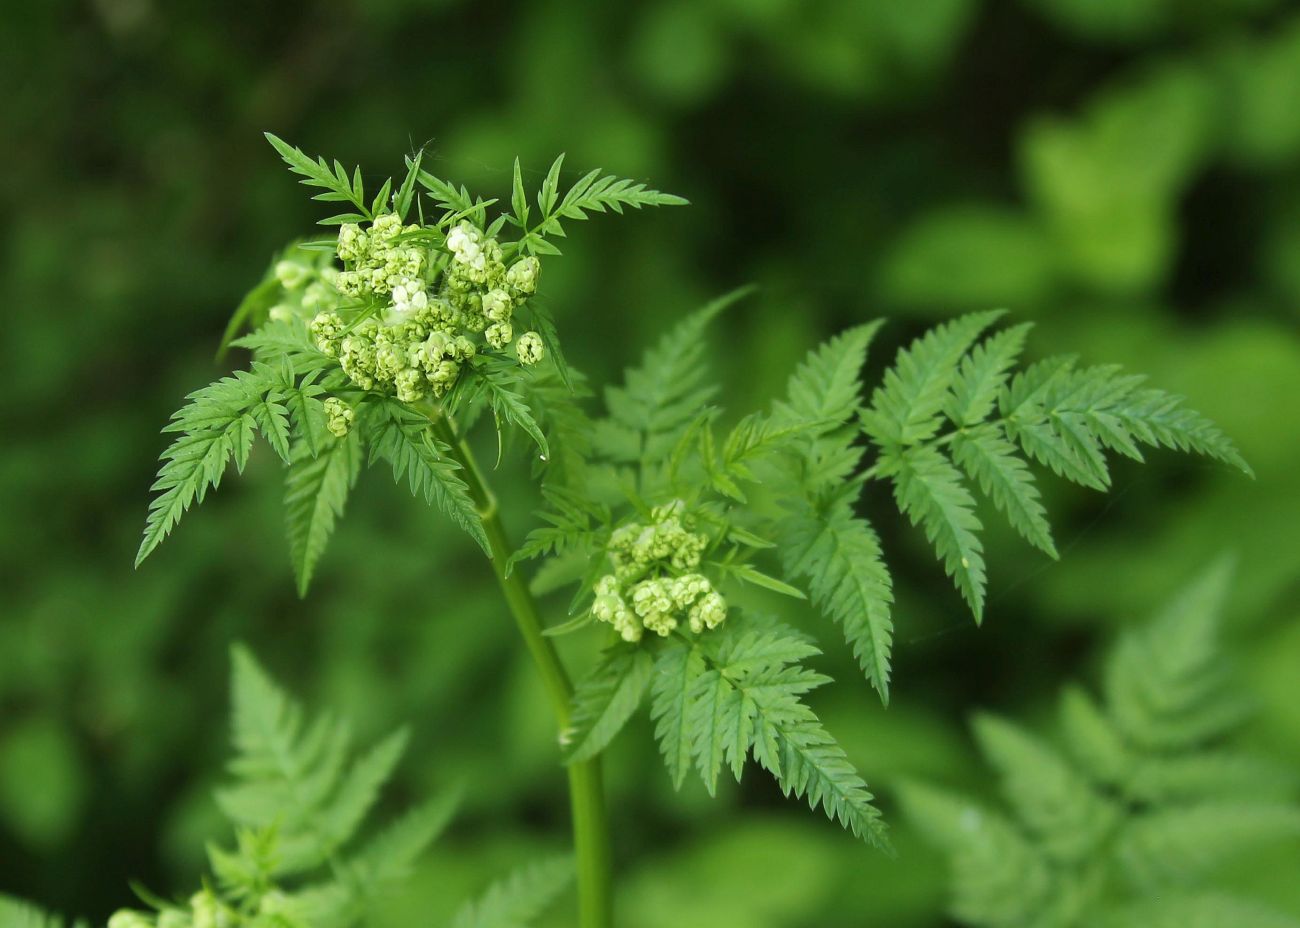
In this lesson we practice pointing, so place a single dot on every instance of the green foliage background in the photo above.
(1125, 173)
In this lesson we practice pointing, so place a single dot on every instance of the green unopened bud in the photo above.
(463, 348)
(498, 334)
(353, 243)
(325, 330)
(709, 612)
(129, 918)
(291, 274)
(497, 305)
(523, 275)
(442, 375)
(386, 227)
(529, 348)
(610, 607)
(175, 918)
(340, 417)
(207, 910)
(410, 385)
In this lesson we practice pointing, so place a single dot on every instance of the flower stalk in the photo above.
(586, 783)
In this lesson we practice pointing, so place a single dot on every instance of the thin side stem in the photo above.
(586, 786)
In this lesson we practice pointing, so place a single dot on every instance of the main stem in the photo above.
(586, 789)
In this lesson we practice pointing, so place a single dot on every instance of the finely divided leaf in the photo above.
(663, 394)
(991, 461)
(405, 439)
(676, 670)
(606, 698)
(839, 555)
(519, 900)
(931, 492)
(316, 490)
(907, 407)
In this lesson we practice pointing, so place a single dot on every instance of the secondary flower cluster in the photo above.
(420, 335)
(205, 910)
(656, 585)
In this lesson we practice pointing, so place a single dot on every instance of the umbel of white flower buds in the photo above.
(655, 584)
(205, 911)
(418, 344)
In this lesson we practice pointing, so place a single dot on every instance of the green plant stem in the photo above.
(586, 787)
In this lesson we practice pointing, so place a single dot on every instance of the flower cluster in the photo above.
(205, 910)
(655, 584)
(421, 335)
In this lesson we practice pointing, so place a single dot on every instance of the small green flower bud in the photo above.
(651, 596)
(386, 227)
(661, 623)
(709, 612)
(438, 346)
(523, 275)
(498, 334)
(340, 417)
(497, 305)
(353, 243)
(463, 349)
(410, 385)
(280, 313)
(207, 910)
(610, 607)
(442, 376)
(318, 295)
(291, 274)
(529, 348)
(128, 918)
(175, 918)
(688, 588)
(325, 329)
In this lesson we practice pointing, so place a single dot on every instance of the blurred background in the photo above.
(1126, 173)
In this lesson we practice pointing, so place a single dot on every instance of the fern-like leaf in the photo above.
(991, 461)
(1052, 800)
(520, 899)
(839, 556)
(931, 492)
(606, 698)
(594, 192)
(907, 406)
(663, 394)
(216, 425)
(316, 490)
(338, 185)
(1166, 684)
(998, 877)
(1181, 844)
(404, 438)
(676, 671)
(294, 776)
(756, 682)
